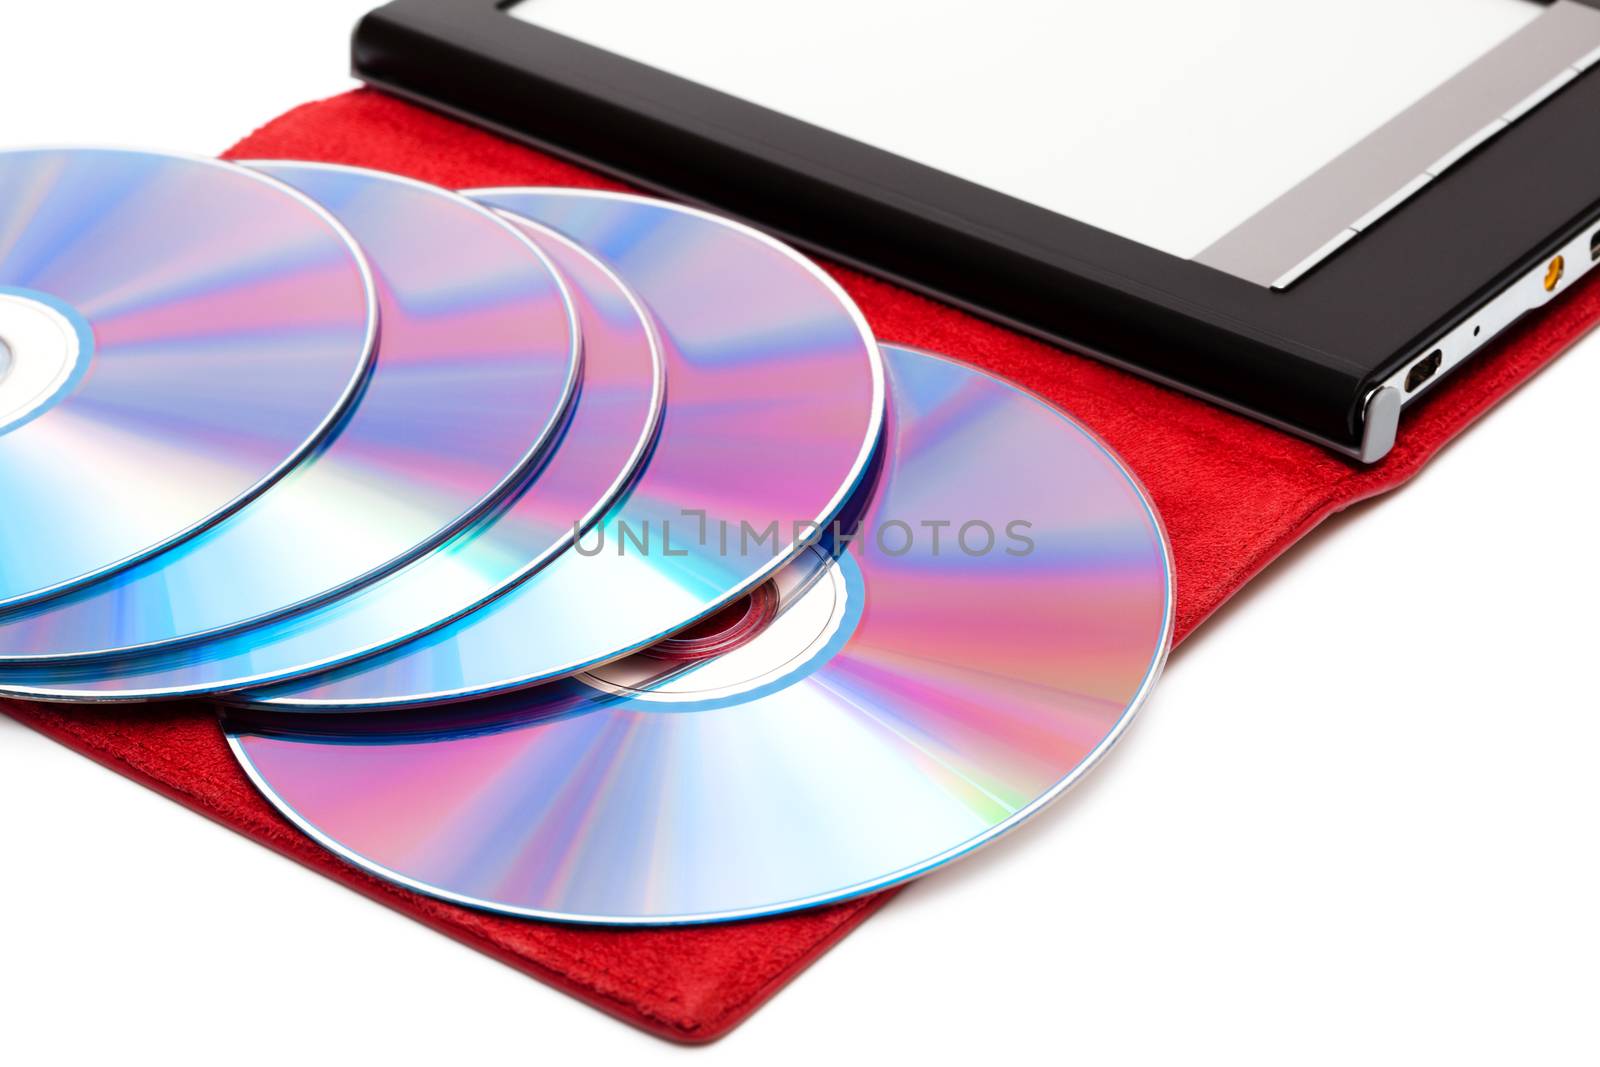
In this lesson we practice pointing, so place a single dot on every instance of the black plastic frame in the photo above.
(1305, 358)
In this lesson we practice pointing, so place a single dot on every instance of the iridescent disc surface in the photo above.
(613, 422)
(913, 699)
(774, 407)
(477, 361)
(179, 333)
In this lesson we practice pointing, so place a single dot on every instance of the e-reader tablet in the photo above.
(1308, 213)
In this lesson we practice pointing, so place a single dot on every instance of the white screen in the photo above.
(1167, 121)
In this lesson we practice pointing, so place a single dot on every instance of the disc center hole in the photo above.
(722, 631)
(41, 352)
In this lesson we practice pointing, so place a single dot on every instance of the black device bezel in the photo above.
(1305, 358)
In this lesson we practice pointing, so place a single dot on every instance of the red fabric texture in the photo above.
(1233, 493)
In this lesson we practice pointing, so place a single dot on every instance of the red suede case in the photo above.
(1233, 493)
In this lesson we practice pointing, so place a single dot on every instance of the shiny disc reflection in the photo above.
(180, 332)
(913, 700)
(774, 407)
(477, 361)
(613, 423)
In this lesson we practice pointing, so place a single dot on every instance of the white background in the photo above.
(1355, 824)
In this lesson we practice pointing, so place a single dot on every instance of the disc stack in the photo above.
(571, 555)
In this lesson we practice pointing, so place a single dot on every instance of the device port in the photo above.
(1424, 369)
(1553, 275)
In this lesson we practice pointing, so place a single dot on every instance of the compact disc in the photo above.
(611, 427)
(477, 360)
(178, 333)
(1001, 608)
(774, 407)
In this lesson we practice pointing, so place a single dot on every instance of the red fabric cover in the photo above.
(1234, 495)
